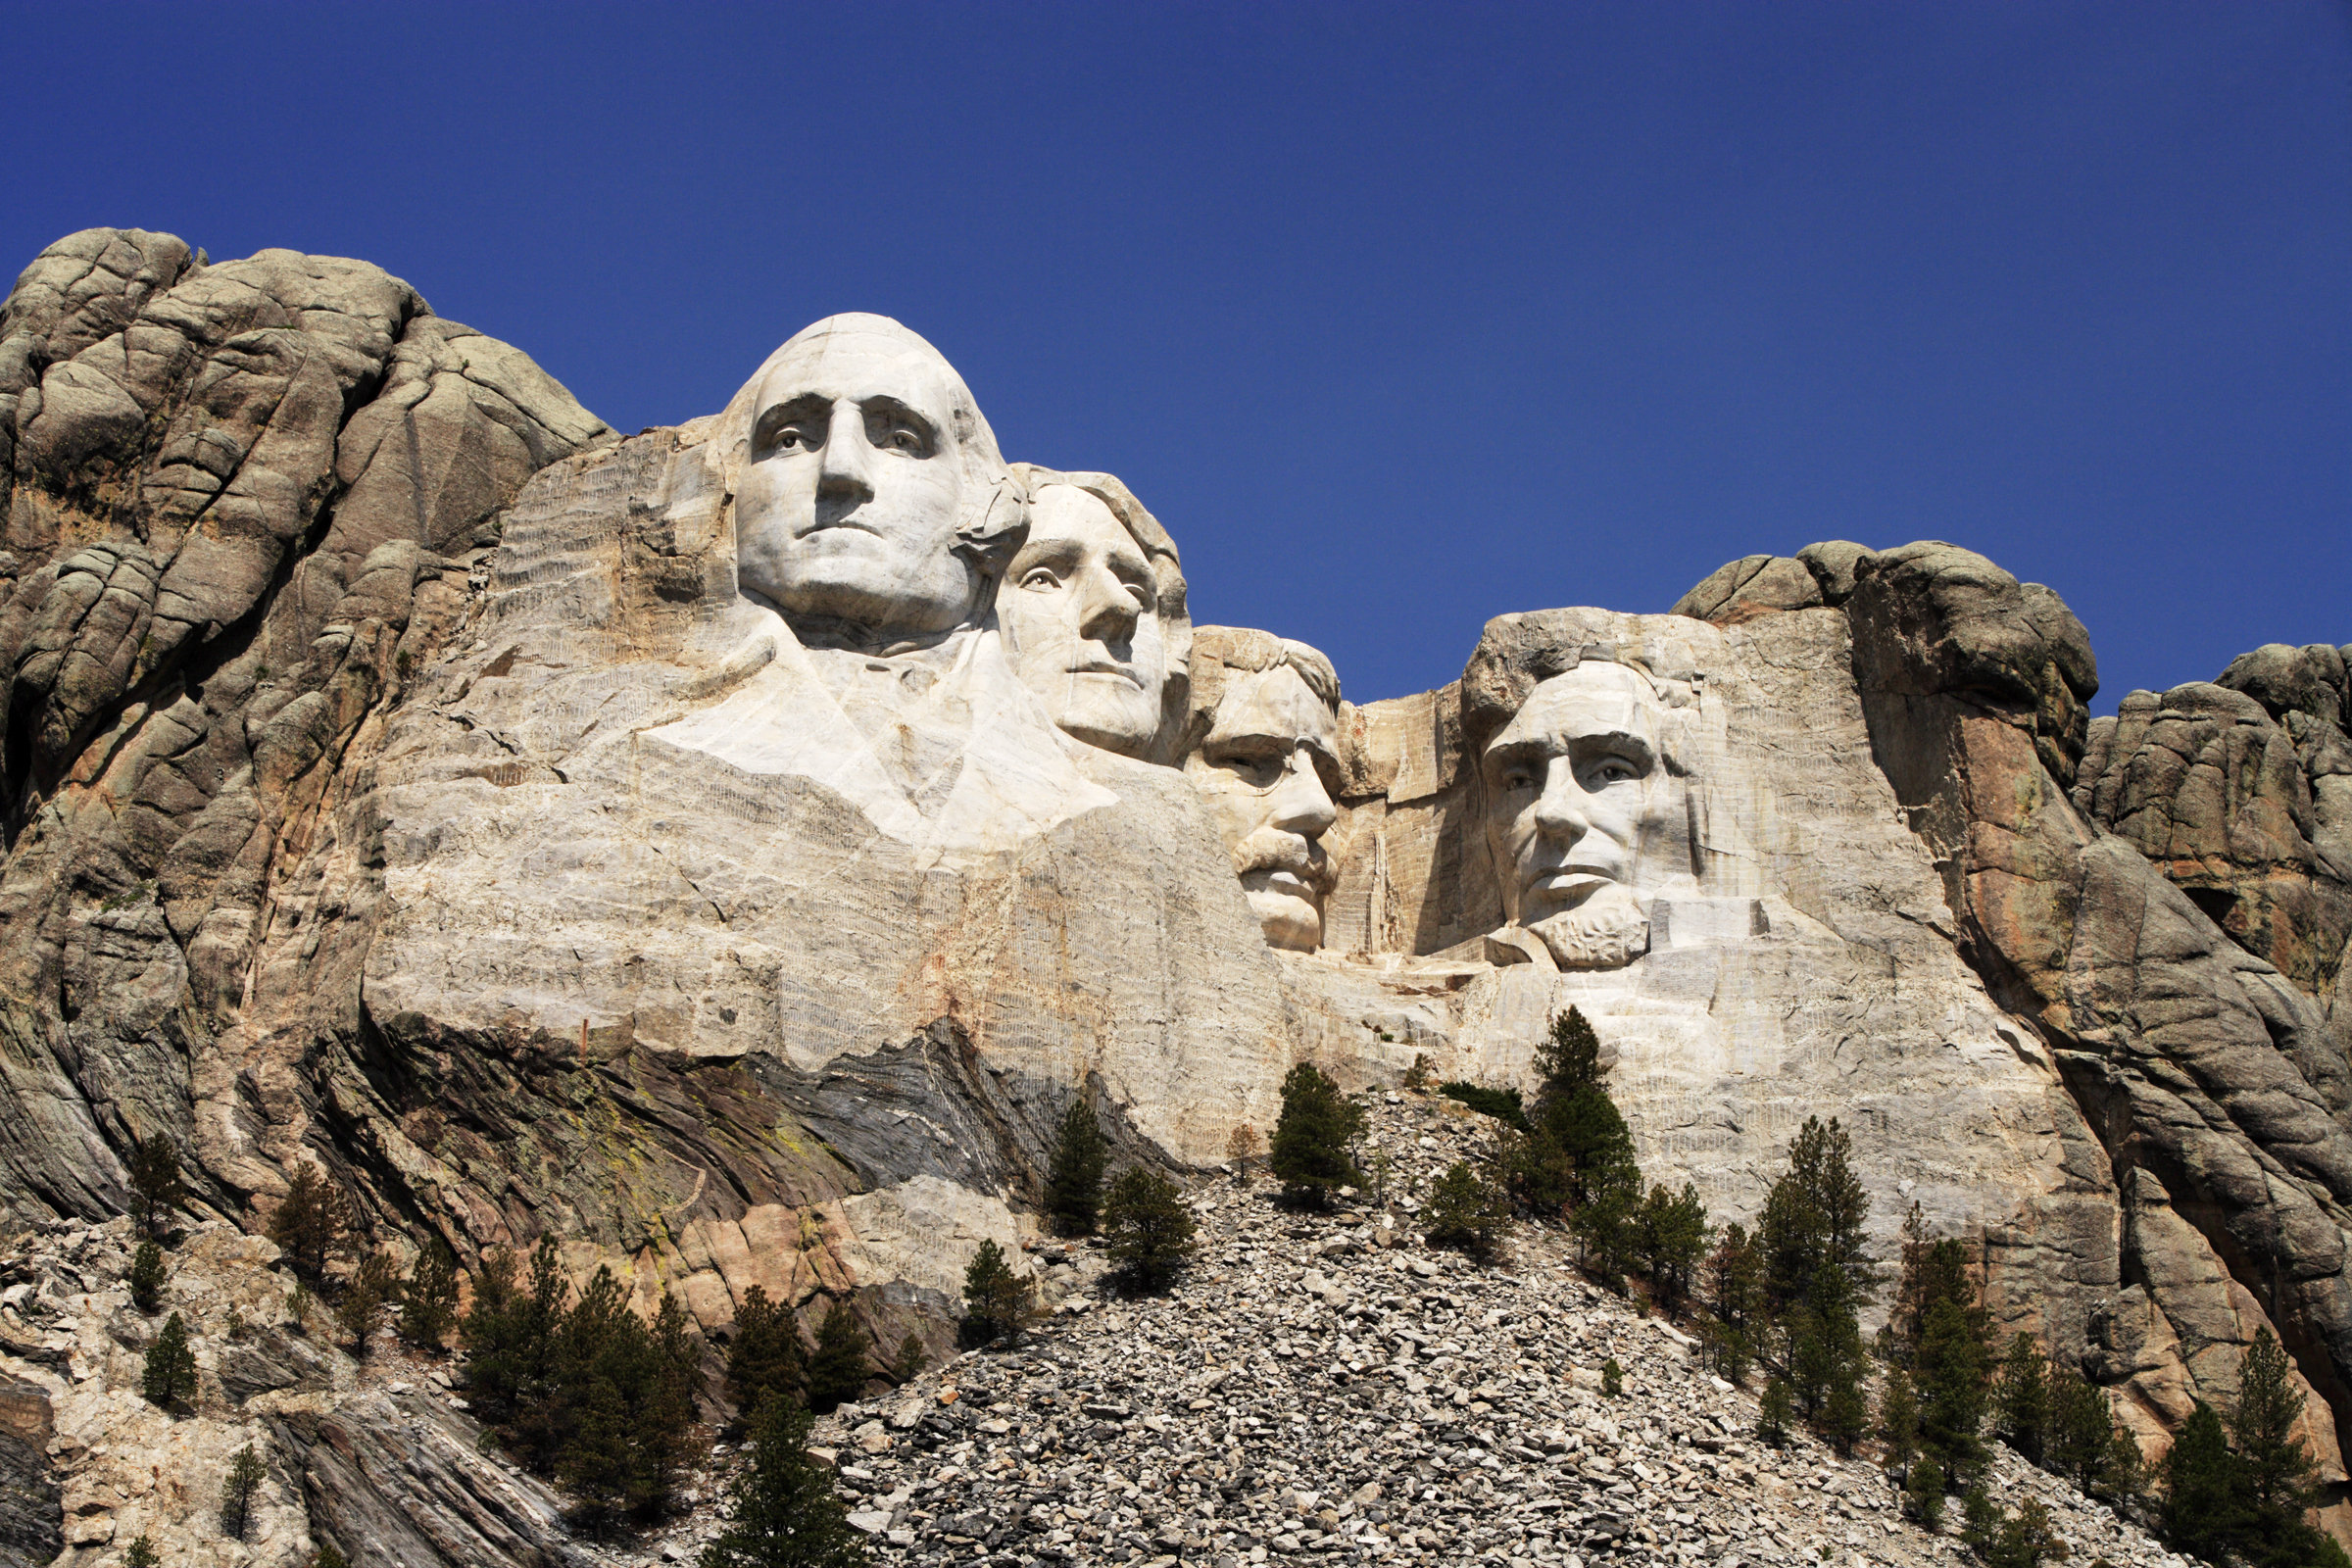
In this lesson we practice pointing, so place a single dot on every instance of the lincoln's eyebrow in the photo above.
(1613, 742)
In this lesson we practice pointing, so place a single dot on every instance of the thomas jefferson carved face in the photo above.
(1268, 768)
(1080, 612)
(1583, 813)
(851, 492)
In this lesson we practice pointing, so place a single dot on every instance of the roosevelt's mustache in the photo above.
(1270, 849)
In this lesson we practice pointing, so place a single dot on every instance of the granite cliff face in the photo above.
(543, 831)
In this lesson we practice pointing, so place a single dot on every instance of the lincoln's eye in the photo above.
(1518, 779)
(1614, 770)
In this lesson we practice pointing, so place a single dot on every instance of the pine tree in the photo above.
(140, 1553)
(246, 1473)
(1814, 1215)
(155, 1182)
(170, 1377)
(1775, 1412)
(766, 1359)
(2077, 1444)
(1825, 1343)
(911, 1359)
(2276, 1471)
(1845, 1412)
(1735, 1292)
(1074, 1184)
(1673, 1232)
(311, 1221)
(1567, 1060)
(1898, 1421)
(1923, 1494)
(372, 1286)
(326, 1557)
(2200, 1514)
(1244, 1149)
(1149, 1228)
(147, 1277)
(782, 1511)
(2022, 1402)
(1311, 1151)
(1465, 1211)
(995, 1298)
(841, 1364)
(429, 1305)
(509, 1339)
(1954, 1367)
(603, 1442)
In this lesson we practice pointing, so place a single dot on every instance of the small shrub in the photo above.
(326, 1557)
(1923, 1494)
(1612, 1379)
(1243, 1147)
(1466, 1210)
(781, 1509)
(246, 1473)
(1150, 1229)
(1503, 1105)
(1418, 1077)
(1776, 1411)
(147, 1277)
(140, 1553)
(995, 1298)
(911, 1359)
(170, 1377)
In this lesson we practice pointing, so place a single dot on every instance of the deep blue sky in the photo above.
(1397, 317)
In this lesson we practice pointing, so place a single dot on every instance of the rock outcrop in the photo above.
(680, 845)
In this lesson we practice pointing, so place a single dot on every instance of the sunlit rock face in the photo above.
(733, 847)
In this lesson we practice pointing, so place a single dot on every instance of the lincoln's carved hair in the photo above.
(995, 512)
(1519, 653)
(1221, 651)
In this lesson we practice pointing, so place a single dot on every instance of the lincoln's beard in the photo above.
(1605, 931)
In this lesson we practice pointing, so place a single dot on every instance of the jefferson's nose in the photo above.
(1560, 809)
(846, 471)
(1107, 609)
(1300, 803)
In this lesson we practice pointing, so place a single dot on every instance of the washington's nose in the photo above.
(1302, 805)
(1107, 609)
(1560, 809)
(846, 473)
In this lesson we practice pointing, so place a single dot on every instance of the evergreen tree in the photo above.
(1734, 1290)
(1595, 1148)
(1673, 1232)
(430, 1301)
(1898, 1421)
(2276, 1472)
(140, 1553)
(246, 1473)
(1845, 1412)
(2024, 1538)
(2022, 1404)
(1150, 1227)
(910, 1361)
(1953, 1369)
(155, 1182)
(1923, 1494)
(327, 1556)
(1311, 1151)
(311, 1221)
(1567, 1061)
(842, 1363)
(1825, 1341)
(510, 1338)
(1533, 1169)
(1814, 1215)
(372, 1286)
(1074, 1183)
(995, 1298)
(1465, 1211)
(613, 1427)
(781, 1510)
(2200, 1515)
(2077, 1443)
(766, 1359)
(1604, 1221)
(1244, 1149)
(147, 1277)
(170, 1377)
(1776, 1412)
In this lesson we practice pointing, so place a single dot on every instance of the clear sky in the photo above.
(1398, 318)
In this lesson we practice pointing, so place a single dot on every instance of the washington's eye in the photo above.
(791, 438)
(906, 440)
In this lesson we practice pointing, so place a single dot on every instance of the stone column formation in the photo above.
(733, 847)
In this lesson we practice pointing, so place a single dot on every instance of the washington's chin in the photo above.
(857, 576)
(1287, 918)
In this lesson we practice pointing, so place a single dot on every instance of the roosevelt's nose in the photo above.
(1106, 606)
(1560, 809)
(1300, 803)
(847, 470)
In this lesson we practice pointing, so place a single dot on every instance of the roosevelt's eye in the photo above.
(1257, 771)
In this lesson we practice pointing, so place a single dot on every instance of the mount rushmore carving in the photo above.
(730, 848)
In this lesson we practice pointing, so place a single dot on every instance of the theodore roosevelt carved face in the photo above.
(1584, 815)
(1264, 757)
(865, 485)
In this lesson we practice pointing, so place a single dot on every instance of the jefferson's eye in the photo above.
(1040, 577)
